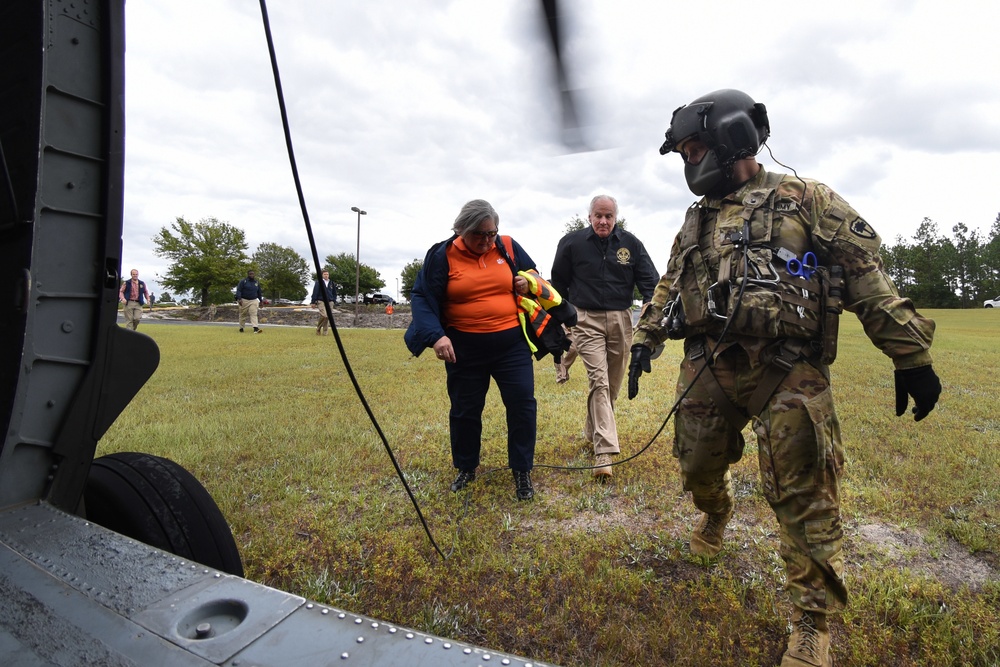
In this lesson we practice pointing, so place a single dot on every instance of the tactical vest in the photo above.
(738, 268)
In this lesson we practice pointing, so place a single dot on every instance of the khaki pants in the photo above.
(324, 322)
(248, 310)
(603, 339)
(133, 313)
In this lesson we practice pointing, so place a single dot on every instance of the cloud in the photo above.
(409, 110)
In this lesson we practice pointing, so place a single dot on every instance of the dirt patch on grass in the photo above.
(949, 563)
(873, 543)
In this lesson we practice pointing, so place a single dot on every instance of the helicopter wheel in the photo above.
(156, 501)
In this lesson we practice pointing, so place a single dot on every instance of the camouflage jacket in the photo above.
(787, 216)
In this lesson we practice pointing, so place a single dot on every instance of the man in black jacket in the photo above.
(250, 297)
(598, 269)
(328, 287)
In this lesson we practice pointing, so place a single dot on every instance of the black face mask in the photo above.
(708, 178)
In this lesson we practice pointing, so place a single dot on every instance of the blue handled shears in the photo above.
(803, 268)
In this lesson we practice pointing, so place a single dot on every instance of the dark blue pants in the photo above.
(504, 356)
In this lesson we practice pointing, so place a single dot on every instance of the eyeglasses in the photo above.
(482, 236)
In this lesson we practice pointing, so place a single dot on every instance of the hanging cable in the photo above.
(316, 263)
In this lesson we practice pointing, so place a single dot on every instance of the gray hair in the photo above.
(598, 198)
(473, 214)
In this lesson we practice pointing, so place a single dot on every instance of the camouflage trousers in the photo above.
(801, 458)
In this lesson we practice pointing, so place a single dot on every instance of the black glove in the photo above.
(922, 384)
(636, 367)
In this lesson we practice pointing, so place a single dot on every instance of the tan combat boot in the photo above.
(706, 538)
(809, 645)
(602, 467)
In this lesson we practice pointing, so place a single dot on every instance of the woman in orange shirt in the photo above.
(463, 306)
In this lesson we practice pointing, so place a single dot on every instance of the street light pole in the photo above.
(357, 264)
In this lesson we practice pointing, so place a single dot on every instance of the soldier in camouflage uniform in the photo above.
(757, 277)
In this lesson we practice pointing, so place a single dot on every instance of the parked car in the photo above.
(379, 298)
(992, 303)
(285, 302)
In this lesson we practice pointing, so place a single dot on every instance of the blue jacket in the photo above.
(331, 292)
(142, 291)
(429, 291)
(249, 289)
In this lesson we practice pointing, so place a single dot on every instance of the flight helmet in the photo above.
(733, 127)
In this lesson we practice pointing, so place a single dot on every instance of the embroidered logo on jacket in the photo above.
(623, 256)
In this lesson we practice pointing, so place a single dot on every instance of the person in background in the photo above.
(250, 297)
(756, 280)
(134, 295)
(464, 308)
(598, 268)
(329, 288)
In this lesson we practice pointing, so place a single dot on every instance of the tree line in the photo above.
(209, 257)
(940, 272)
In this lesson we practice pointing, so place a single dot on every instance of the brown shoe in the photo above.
(706, 538)
(602, 463)
(809, 644)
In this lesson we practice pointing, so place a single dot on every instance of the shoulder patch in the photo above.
(862, 229)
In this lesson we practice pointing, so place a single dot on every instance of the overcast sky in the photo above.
(409, 109)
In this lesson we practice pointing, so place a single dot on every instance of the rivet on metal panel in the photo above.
(428, 640)
(325, 611)
(487, 656)
(467, 651)
(67, 327)
(505, 661)
(447, 645)
(345, 656)
(358, 621)
(341, 615)
(409, 635)
(309, 606)
(361, 639)
(392, 631)
(374, 624)
(203, 630)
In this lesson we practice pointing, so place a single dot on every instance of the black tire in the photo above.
(156, 501)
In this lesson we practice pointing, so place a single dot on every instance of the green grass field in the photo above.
(586, 574)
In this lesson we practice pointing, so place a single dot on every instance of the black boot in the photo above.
(522, 485)
(465, 477)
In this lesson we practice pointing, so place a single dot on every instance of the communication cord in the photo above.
(316, 263)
